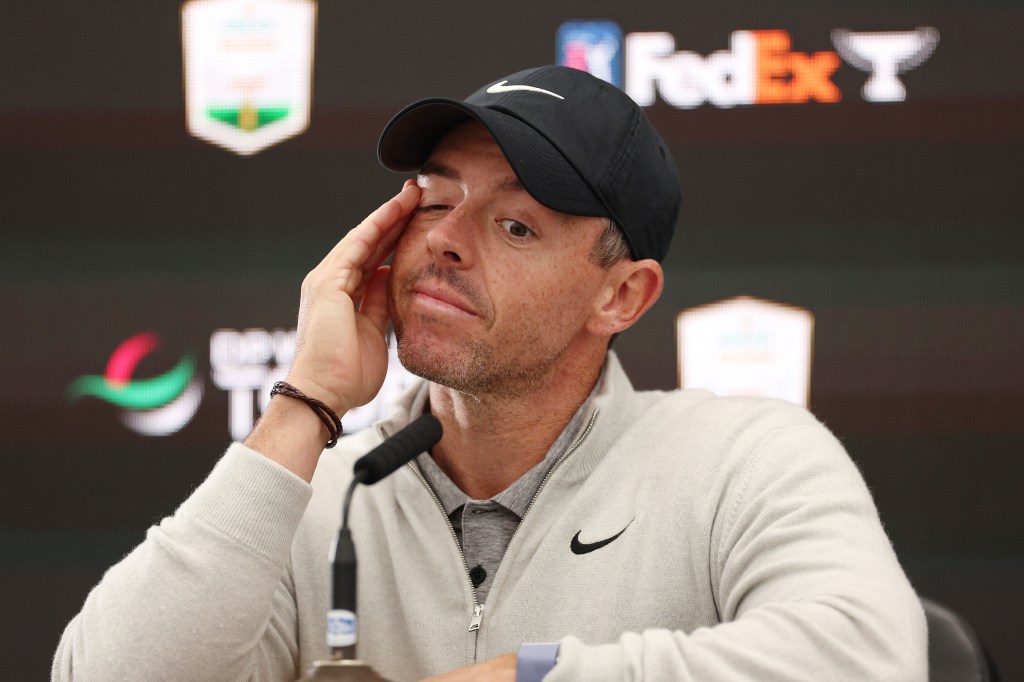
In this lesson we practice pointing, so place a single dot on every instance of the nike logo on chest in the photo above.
(578, 547)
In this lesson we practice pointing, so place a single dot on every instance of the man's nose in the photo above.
(450, 239)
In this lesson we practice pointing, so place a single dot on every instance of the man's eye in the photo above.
(516, 228)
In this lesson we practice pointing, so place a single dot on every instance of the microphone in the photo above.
(419, 436)
(342, 625)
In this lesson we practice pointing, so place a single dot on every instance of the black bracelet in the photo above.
(328, 416)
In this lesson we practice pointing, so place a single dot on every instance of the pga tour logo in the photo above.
(759, 67)
(592, 46)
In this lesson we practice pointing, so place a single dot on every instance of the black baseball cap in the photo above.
(578, 144)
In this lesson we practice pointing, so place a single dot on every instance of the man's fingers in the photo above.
(408, 199)
(390, 215)
(368, 244)
(375, 300)
(364, 238)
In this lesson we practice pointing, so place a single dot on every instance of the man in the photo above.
(642, 536)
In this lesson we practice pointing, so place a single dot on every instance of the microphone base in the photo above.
(346, 670)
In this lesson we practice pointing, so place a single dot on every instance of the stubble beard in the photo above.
(469, 366)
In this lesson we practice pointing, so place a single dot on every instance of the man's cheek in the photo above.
(394, 280)
(402, 247)
(412, 234)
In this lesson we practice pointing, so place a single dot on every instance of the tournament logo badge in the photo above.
(747, 346)
(156, 406)
(248, 68)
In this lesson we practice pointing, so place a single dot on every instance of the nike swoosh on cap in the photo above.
(498, 88)
(578, 547)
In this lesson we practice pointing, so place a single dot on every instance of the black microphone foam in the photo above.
(419, 436)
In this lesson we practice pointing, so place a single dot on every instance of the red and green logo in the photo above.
(154, 406)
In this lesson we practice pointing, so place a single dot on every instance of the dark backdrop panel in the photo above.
(897, 225)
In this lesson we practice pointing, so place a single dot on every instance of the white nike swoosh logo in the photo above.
(501, 87)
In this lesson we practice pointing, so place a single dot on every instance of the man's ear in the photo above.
(631, 288)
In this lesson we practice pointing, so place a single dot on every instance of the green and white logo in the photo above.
(248, 69)
(154, 406)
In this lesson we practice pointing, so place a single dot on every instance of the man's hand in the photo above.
(341, 355)
(340, 351)
(501, 669)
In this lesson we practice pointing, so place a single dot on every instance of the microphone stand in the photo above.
(342, 624)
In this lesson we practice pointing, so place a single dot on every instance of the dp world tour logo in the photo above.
(154, 406)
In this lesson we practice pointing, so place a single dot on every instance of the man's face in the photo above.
(488, 288)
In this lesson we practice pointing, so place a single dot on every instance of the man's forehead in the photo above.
(473, 140)
(501, 182)
(470, 137)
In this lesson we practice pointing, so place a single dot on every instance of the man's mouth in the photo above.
(442, 299)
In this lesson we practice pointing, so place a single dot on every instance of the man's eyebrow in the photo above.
(507, 184)
(434, 168)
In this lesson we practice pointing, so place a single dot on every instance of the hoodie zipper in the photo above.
(478, 608)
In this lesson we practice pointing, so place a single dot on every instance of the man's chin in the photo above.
(421, 355)
(463, 369)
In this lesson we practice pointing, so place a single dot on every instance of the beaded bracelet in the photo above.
(328, 416)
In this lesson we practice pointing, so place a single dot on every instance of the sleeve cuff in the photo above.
(251, 499)
(535, 660)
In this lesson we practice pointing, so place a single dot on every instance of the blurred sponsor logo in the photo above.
(248, 70)
(155, 406)
(244, 363)
(747, 346)
(760, 67)
(247, 363)
(884, 55)
(592, 46)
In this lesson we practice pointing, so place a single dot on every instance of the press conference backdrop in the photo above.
(153, 243)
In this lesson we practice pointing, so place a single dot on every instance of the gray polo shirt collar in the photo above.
(516, 498)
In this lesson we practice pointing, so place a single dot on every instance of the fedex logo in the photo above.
(760, 67)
